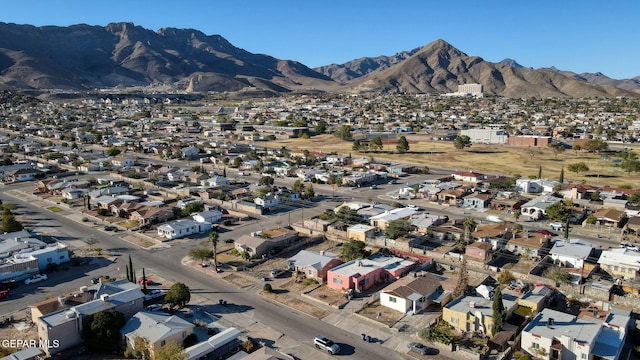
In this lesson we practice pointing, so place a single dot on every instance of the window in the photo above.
(162, 343)
(337, 281)
(61, 257)
(454, 320)
(583, 356)
(392, 299)
(184, 334)
(535, 345)
(49, 260)
(310, 273)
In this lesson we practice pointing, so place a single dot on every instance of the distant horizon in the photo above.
(586, 38)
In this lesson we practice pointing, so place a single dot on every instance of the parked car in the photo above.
(556, 226)
(4, 294)
(36, 278)
(154, 294)
(326, 344)
(147, 281)
(422, 349)
(153, 307)
(629, 246)
(110, 228)
(546, 232)
(101, 279)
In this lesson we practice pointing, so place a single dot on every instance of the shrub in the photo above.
(103, 212)
(85, 219)
(191, 339)
(309, 282)
(267, 288)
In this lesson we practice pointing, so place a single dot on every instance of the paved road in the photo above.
(167, 264)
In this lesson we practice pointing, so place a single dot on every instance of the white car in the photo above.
(36, 278)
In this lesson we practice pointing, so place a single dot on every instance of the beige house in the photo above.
(158, 328)
(64, 327)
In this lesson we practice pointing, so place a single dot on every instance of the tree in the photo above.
(561, 179)
(320, 128)
(559, 275)
(192, 207)
(353, 249)
(540, 172)
(397, 228)
(499, 314)
(403, 145)
(347, 215)
(376, 143)
(102, 330)
(214, 239)
(130, 274)
(595, 145)
(578, 167)
(344, 133)
(576, 148)
(9, 222)
(595, 196)
(505, 277)
(308, 192)
(629, 162)
(113, 151)
(634, 198)
(266, 180)
(516, 214)
(178, 295)
(560, 210)
(461, 142)
(469, 225)
(556, 148)
(200, 254)
(144, 281)
(139, 349)
(357, 146)
(171, 351)
(463, 280)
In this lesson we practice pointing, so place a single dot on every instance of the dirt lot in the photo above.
(382, 314)
(283, 297)
(502, 159)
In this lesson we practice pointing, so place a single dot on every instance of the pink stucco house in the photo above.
(361, 274)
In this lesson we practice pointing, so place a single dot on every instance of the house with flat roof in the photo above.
(620, 263)
(360, 275)
(572, 253)
(562, 336)
(537, 208)
(66, 325)
(382, 220)
(182, 228)
(475, 313)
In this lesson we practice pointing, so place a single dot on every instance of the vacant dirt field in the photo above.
(492, 159)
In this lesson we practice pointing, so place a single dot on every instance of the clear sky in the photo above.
(579, 36)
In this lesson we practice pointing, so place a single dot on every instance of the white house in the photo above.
(211, 216)
(556, 335)
(182, 228)
(123, 161)
(412, 295)
(215, 181)
(537, 208)
(572, 253)
(267, 201)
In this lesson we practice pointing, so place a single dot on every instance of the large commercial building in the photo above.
(486, 136)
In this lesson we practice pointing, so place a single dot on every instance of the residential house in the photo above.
(572, 253)
(157, 328)
(360, 232)
(151, 215)
(422, 222)
(535, 186)
(478, 251)
(73, 193)
(259, 244)
(267, 201)
(578, 191)
(381, 221)
(66, 325)
(477, 201)
(475, 313)
(361, 274)
(182, 228)
(620, 263)
(217, 346)
(196, 178)
(20, 175)
(123, 161)
(529, 244)
(314, 265)
(535, 300)
(182, 203)
(496, 234)
(537, 208)
(633, 224)
(414, 294)
(610, 217)
(215, 181)
(451, 230)
(189, 152)
(452, 196)
(210, 216)
(560, 336)
(468, 177)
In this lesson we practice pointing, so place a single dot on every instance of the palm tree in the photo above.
(214, 238)
(469, 225)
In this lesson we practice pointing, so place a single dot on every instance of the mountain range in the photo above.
(82, 57)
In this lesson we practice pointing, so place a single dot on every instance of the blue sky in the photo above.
(579, 36)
